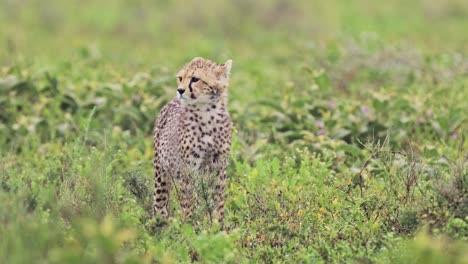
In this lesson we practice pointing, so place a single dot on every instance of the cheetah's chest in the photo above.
(206, 140)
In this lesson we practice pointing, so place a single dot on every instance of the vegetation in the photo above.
(350, 130)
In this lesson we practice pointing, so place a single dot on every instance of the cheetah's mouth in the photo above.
(214, 96)
(187, 98)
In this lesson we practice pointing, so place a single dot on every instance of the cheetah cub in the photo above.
(192, 140)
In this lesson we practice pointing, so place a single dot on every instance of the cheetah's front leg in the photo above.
(220, 196)
(187, 198)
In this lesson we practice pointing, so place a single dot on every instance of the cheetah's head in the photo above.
(202, 81)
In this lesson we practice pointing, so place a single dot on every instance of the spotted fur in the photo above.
(192, 140)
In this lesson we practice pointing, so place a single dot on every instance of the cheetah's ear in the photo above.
(227, 67)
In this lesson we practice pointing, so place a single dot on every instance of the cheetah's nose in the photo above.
(181, 91)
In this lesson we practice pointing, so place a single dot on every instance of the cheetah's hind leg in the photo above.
(161, 192)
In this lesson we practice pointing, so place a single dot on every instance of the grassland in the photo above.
(350, 141)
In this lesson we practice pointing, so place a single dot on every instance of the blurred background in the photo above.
(152, 31)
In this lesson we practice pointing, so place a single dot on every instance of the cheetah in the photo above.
(192, 141)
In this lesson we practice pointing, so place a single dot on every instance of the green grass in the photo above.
(350, 141)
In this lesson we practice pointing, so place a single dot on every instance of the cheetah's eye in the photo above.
(179, 78)
(195, 79)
